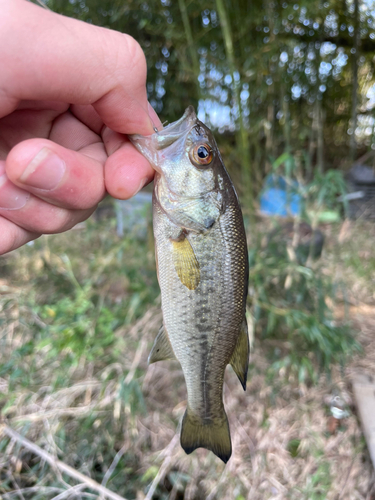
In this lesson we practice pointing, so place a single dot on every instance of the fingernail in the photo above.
(154, 117)
(141, 185)
(45, 170)
(11, 197)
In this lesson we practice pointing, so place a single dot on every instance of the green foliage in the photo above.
(71, 328)
(325, 188)
(322, 196)
(319, 483)
(290, 306)
(293, 446)
(76, 317)
(288, 86)
(76, 326)
(65, 345)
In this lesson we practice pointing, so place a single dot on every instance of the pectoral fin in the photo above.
(185, 262)
(162, 348)
(240, 357)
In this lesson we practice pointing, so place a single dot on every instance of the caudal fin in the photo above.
(214, 436)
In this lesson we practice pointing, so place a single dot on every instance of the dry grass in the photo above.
(284, 443)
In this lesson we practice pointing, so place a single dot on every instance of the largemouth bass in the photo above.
(202, 264)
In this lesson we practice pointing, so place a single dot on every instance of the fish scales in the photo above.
(202, 266)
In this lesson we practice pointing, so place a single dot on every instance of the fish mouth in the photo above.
(174, 131)
(150, 145)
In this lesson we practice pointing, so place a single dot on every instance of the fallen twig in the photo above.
(74, 489)
(163, 469)
(136, 361)
(35, 489)
(113, 465)
(5, 429)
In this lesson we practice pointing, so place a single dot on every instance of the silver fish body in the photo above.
(202, 266)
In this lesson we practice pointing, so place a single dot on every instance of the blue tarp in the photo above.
(279, 197)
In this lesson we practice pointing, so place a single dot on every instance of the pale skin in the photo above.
(70, 93)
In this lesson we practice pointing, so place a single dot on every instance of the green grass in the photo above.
(78, 313)
(65, 321)
(292, 306)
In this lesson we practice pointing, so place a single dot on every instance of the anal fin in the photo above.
(240, 358)
(162, 348)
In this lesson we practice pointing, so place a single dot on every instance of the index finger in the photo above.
(74, 62)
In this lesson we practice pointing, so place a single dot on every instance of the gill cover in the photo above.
(185, 155)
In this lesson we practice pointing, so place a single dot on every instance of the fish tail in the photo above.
(213, 435)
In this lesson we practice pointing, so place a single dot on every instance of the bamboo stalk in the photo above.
(286, 112)
(190, 41)
(320, 136)
(243, 136)
(63, 467)
(353, 142)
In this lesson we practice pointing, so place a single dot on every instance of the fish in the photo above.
(202, 266)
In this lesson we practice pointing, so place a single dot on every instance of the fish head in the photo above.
(184, 154)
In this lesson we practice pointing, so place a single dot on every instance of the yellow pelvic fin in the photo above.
(162, 348)
(185, 263)
(240, 358)
(213, 435)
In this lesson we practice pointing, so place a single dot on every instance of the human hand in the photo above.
(69, 94)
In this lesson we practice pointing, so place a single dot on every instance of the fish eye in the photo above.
(201, 154)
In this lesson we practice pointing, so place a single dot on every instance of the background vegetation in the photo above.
(270, 75)
(287, 88)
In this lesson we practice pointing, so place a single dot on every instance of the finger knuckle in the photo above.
(9, 240)
(14, 237)
(67, 219)
(60, 220)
